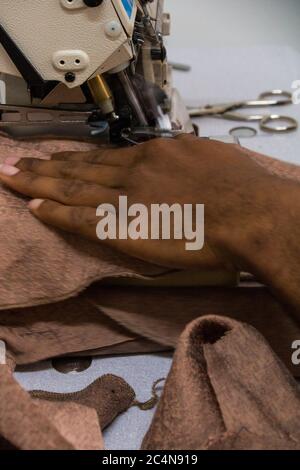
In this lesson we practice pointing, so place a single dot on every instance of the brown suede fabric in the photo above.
(37, 333)
(226, 390)
(106, 320)
(162, 314)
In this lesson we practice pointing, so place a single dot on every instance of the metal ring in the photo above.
(282, 93)
(238, 132)
(292, 124)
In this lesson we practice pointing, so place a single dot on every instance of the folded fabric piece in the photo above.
(72, 326)
(226, 390)
(105, 320)
(161, 314)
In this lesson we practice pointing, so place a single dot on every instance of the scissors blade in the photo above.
(265, 103)
(214, 110)
(222, 109)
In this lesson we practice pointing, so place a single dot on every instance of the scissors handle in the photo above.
(266, 124)
(270, 98)
(286, 96)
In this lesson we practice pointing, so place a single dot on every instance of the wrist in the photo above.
(268, 244)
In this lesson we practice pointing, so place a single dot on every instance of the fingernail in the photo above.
(12, 161)
(8, 170)
(35, 203)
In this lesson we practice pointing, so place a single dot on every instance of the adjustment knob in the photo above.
(92, 3)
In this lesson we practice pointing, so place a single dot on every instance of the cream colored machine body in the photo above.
(87, 68)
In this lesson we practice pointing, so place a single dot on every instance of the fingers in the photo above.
(69, 192)
(83, 221)
(80, 220)
(104, 156)
(105, 175)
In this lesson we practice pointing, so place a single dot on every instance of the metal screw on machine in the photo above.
(92, 3)
(70, 77)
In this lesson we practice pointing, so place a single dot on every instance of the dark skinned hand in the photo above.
(241, 200)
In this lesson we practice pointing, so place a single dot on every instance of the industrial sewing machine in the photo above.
(87, 69)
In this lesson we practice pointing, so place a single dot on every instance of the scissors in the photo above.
(270, 98)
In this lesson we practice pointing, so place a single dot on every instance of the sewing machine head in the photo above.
(87, 68)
